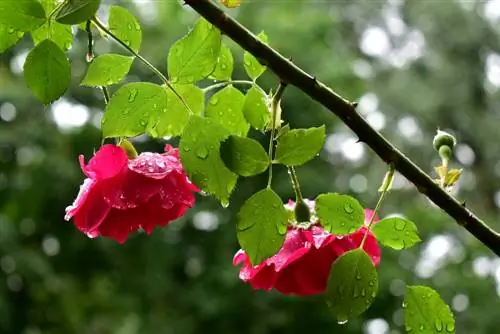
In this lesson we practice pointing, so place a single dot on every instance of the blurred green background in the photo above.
(413, 65)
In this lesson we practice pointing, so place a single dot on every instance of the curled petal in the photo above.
(108, 162)
(153, 165)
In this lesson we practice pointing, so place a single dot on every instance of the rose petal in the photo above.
(108, 162)
(91, 209)
(154, 165)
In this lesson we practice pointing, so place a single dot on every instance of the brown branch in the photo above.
(345, 110)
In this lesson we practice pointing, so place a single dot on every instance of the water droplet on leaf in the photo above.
(348, 208)
(450, 327)
(202, 152)
(438, 324)
(342, 322)
(214, 100)
(399, 225)
(132, 94)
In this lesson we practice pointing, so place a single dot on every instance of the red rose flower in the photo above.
(303, 264)
(119, 195)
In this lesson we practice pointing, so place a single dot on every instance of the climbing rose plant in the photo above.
(329, 245)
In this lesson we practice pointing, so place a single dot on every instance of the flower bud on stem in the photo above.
(444, 143)
(384, 189)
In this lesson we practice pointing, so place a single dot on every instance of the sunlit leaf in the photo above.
(252, 66)
(397, 233)
(297, 146)
(226, 108)
(339, 214)
(172, 122)
(134, 109)
(224, 68)
(107, 70)
(425, 312)
(255, 109)
(194, 57)
(125, 26)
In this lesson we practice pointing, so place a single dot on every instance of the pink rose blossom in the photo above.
(119, 195)
(303, 264)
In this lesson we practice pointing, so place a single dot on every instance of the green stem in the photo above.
(162, 77)
(233, 82)
(384, 191)
(90, 56)
(274, 107)
(296, 185)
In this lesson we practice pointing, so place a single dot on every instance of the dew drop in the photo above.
(126, 111)
(246, 62)
(282, 228)
(129, 26)
(142, 122)
(348, 208)
(438, 324)
(342, 322)
(399, 225)
(11, 30)
(214, 100)
(422, 327)
(405, 304)
(202, 152)
(223, 66)
(20, 34)
(132, 94)
(137, 26)
(127, 42)
(450, 327)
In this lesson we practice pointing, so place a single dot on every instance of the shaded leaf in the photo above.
(297, 146)
(107, 70)
(25, 15)
(397, 233)
(47, 72)
(339, 214)
(134, 109)
(257, 226)
(199, 152)
(425, 312)
(226, 108)
(77, 11)
(352, 285)
(194, 57)
(244, 156)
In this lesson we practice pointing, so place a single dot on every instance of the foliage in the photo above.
(217, 143)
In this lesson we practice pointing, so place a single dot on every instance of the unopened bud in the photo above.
(443, 138)
(302, 212)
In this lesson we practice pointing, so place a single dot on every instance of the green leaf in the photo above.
(297, 146)
(244, 156)
(172, 122)
(425, 312)
(107, 70)
(59, 33)
(47, 72)
(226, 108)
(25, 15)
(8, 37)
(339, 214)
(224, 68)
(255, 109)
(134, 109)
(194, 57)
(77, 11)
(253, 67)
(125, 26)
(261, 225)
(397, 233)
(352, 285)
(199, 147)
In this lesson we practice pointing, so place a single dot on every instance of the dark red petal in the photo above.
(91, 209)
(175, 188)
(295, 246)
(120, 223)
(108, 162)
(170, 150)
(309, 274)
(130, 190)
(157, 216)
